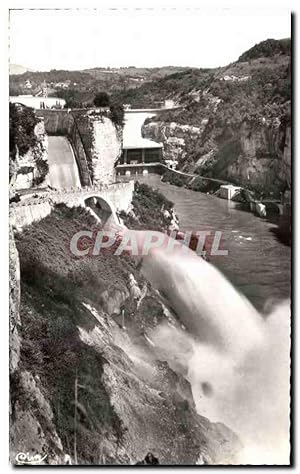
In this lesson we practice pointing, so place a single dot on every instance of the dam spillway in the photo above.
(63, 170)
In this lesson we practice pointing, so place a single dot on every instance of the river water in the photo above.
(257, 263)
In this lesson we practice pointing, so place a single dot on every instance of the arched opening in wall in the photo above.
(102, 210)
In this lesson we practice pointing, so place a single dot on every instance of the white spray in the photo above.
(236, 360)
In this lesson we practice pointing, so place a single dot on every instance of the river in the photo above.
(257, 263)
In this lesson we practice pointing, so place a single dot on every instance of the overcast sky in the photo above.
(79, 39)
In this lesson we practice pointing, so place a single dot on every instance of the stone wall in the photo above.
(21, 216)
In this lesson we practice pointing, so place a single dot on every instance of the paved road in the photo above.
(63, 171)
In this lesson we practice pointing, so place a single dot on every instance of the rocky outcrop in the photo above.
(175, 138)
(106, 148)
(30, 170)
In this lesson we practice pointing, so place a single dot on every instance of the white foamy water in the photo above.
(237, 361)
(132, 132)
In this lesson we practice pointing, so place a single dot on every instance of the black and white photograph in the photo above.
(150, 236)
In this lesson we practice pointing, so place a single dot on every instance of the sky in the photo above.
(197, 37)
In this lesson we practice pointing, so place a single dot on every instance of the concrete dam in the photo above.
(82, 153)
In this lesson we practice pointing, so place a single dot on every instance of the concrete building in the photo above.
(228, 191)
(142, 157)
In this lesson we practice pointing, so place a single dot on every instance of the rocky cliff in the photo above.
(257, 156)
(90, 387)
(29, 166)
(106, 148)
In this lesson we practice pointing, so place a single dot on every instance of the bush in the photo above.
(102, 100)
(22, 138)
(22, 121)
(174, 178)
(147, 205)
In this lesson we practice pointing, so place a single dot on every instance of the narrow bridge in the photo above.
(104, 202)
(194, 176)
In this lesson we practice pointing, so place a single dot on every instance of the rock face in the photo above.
(14, 304)
(106, 148)
(263, 161)
(85, 387)
(254, 155)
(28, 411)
(28, 169)
(175, 138)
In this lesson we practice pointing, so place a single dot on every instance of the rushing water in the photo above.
(257, 263)
(236, 361)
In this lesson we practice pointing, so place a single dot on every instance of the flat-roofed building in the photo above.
(141, 156)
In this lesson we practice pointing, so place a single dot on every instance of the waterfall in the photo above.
(236, 360)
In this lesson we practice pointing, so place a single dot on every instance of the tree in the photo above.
(102, 99)
(117, 114)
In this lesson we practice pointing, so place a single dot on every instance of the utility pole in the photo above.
(75, 417)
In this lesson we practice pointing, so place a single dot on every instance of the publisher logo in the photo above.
(30, 459)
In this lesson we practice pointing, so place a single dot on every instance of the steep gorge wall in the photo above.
(262, 159)
(31, 417)
(254, 155)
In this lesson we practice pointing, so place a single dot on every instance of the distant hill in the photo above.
(267, 48)
(259, 75)
(17, 69)
(136, 73)
(80, 87)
